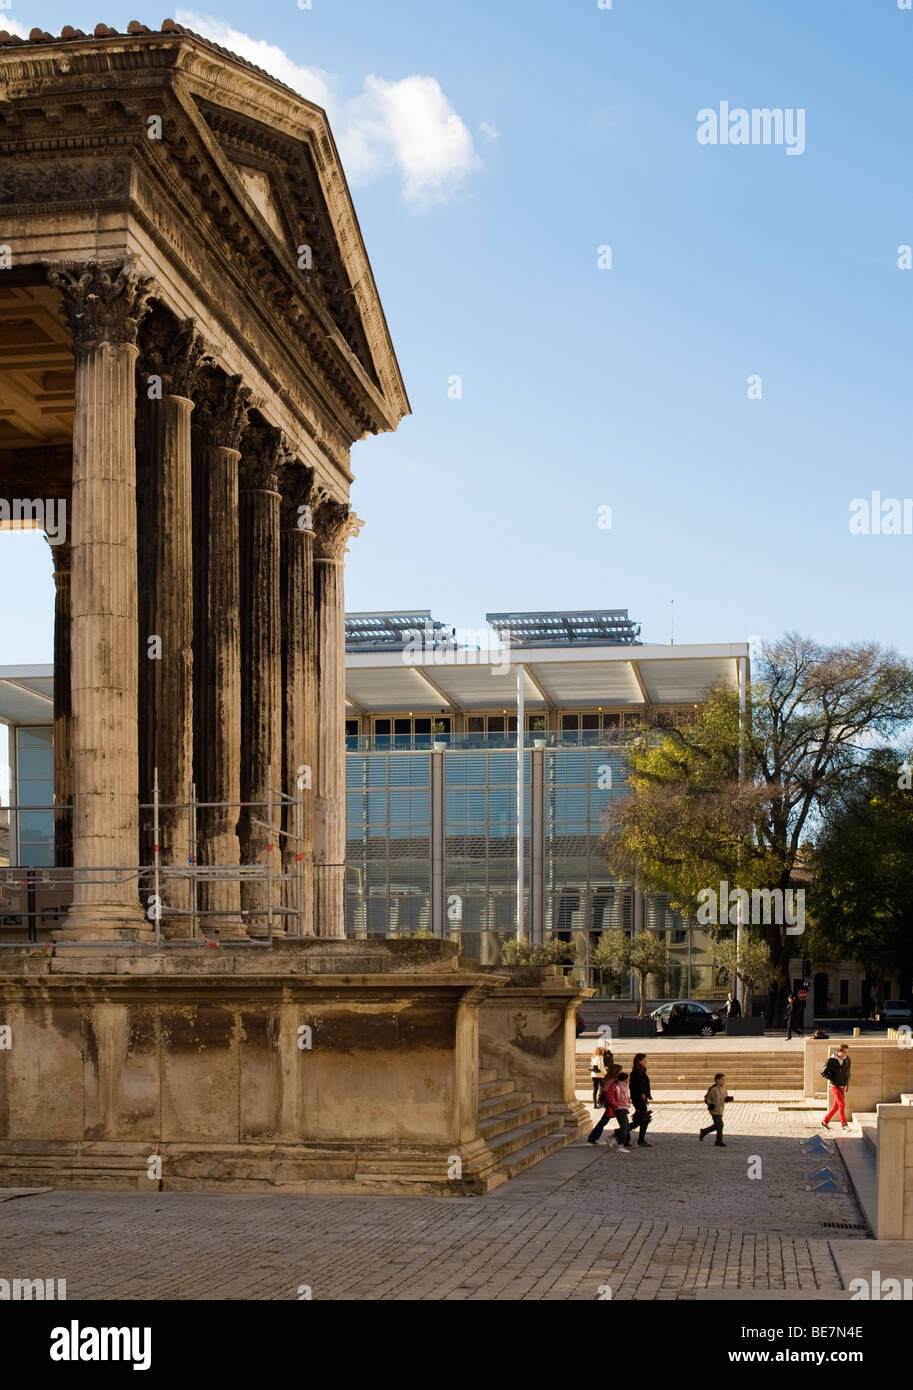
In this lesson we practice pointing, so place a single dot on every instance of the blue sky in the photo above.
(542, 131)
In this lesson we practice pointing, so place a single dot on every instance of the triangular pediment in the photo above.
(279, 177)
(262, 195)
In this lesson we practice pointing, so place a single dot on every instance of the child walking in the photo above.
(716, 1100)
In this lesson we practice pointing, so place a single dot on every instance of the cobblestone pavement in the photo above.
(661, 1222)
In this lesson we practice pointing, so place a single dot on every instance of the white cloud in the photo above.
(488, 132)
(12, 26)
(408, 126)
(412, 126)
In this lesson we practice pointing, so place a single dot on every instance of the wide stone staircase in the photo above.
(756, 1070)
(519, 1130)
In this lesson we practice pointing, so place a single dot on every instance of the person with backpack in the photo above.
(639, 1086)
(837, 1072)
(716, 1100)
(605, 1101)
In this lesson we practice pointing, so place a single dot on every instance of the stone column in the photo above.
(104, 306)
(335, 524)
(218, 422)
(262, 455)
(299, 686)
(63, 723)
(169, 363)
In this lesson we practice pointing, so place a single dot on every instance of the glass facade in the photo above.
(431, 848)
(32, 832)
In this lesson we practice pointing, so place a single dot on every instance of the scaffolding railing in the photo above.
(284, 891)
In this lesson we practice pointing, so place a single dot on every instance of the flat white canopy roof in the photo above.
(432, 681)
(564, 678)
(26, 694)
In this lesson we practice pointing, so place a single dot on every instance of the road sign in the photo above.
(803, 995)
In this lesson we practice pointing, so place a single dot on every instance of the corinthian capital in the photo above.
(264, 454)
(335, 525)
(102, 303)
(173, 350)
(220, 410)
(299, 497)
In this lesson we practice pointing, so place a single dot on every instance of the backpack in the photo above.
(707, 1101)
(829, 1069)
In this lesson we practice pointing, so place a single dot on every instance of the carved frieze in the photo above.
(44, 181)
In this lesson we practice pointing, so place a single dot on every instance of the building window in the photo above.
(844, 993)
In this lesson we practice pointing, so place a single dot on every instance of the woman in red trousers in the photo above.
(837, 1071)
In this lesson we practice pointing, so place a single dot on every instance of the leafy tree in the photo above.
(642, 954)
(750, 961)
(862, 888)
(689, 820)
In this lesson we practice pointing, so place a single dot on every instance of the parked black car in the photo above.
(685, 1016)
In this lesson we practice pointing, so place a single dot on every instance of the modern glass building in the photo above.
(432, 780)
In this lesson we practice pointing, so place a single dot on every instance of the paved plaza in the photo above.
(679, 1219)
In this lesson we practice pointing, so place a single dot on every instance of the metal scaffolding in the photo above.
(153, 879)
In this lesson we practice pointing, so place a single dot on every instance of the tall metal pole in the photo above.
(740, 928)
(520, 806)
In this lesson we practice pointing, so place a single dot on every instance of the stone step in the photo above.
(487, 1074)
(862, 1168)
(500, 1105)
(535, 1152)
(493, 1128)
(868, 1124)
(524, 1135)
(497, 1086)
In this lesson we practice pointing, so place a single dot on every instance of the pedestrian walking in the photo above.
(639, 1086)
(604, 1100)
(620, 1100)
(790, 1003)
(600, 1059)
(733, 1007)
(716, 1100)
(837, 1070)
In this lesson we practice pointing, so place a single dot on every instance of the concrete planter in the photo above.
(635, 1027)
(745, 1027)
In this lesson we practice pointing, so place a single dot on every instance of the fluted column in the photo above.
(166, 374)
(299, 686)
(335, 524)
(104, 306)
(63, 723)
(219, 418)
(262, 455)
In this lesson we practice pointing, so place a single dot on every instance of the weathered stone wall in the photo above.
(197, 1056)
(527, 1031)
